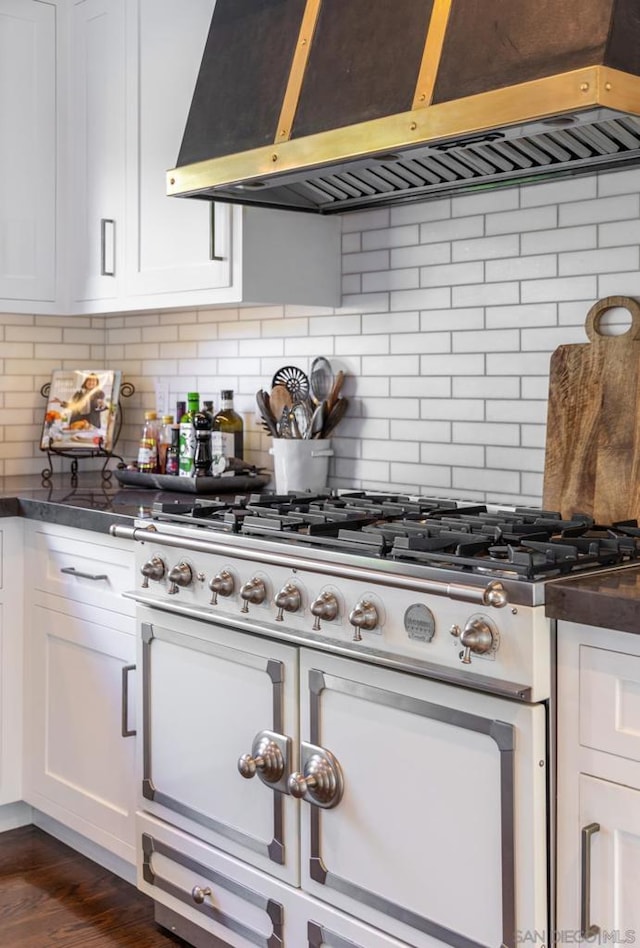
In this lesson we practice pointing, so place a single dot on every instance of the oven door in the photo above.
(211, 695)
(438, 833)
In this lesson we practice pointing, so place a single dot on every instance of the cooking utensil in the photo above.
(294, 379)
(317, 420)
(334, 416)
(302, 414)
(592, 460)
(284, 423)
(336, 388)
(279, 399)
(320, 379)
(264, 407)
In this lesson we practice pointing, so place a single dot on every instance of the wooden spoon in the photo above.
(336, 388)
(280, 399)
(264, 407)
(335, 415)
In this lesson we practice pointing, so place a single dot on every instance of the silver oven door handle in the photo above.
(126, 731)
(587, 930)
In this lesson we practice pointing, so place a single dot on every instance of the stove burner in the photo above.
(521, 543)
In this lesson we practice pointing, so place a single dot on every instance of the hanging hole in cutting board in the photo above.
(615, 322)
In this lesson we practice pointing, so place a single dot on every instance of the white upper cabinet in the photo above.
(96, 156)
(186, 252)
(27, 155)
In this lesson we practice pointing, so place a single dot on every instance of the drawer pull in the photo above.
(72, 571)
(125, 730)
(587, 930)
(199, 895)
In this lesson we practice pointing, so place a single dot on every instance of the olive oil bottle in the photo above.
(229, 423)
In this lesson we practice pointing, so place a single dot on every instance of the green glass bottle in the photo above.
(231, 426)
(186, 466)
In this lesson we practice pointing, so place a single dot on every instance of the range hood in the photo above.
(336, 105)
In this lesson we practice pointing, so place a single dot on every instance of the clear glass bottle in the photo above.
(148, 446)
(230, 424)
(188, 436)
(164, 441)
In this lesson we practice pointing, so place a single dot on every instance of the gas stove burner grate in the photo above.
(528, 544)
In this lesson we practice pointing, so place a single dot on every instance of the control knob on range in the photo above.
(153, 569)
(364, 615)
(324, 607)
(222, 584)
(288, 599)
(179, 575)
(253, 591)
(477, 636)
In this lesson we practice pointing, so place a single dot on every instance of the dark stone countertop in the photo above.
(607, 600)
(90, 505)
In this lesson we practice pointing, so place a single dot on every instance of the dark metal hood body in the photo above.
(337, 105)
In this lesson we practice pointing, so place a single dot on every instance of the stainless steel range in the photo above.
(345, 707)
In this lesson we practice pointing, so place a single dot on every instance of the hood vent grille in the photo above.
(483, 100)
(457, 168)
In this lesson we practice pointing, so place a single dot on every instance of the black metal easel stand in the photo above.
(79, 453)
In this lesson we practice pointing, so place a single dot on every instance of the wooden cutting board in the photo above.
(592, 460)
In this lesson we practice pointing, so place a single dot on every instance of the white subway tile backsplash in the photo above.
(515, 459)
(522, 268)
(601, 209)
(558, 192)
(451, 311)
(487, 340)
(473, 432)
(422, 387)
(599, 261)
(391, 280)
(486, 248)
(452, 409)
(517, 222)
(557, 240)
(422, 255)
(539, 314)
(421, 299)
(392, 237)
(428, 211)
(563, 288)
(421, 342)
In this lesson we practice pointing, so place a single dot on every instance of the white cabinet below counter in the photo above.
(11, 660)
(598, 795)
(80, 684)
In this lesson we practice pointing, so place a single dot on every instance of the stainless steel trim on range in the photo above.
(454, 676)
(492, 593)
(199, 897)
(498, 731)
(275, 849)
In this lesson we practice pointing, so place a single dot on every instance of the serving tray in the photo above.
(232, 482)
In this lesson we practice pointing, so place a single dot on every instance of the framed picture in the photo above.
(81, 410)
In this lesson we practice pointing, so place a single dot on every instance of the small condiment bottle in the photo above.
(148, 446)
(172, 465)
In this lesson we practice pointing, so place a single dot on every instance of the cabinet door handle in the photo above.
(587, 930)
(107, 230)
(72, 571)
(212, 233)
(125, 730)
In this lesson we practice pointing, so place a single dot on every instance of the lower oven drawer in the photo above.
(201, 892)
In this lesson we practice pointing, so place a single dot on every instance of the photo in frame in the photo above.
(81, 410)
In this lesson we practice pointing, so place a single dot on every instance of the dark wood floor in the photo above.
(52, 897)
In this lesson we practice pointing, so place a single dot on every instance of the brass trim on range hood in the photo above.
(568, 123)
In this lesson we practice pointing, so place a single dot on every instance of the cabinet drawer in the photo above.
(244, 907)
(610, 701)
(84, 567)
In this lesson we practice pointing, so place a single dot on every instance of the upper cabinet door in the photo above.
(96, 150)
(173, 245)
(27, 151)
